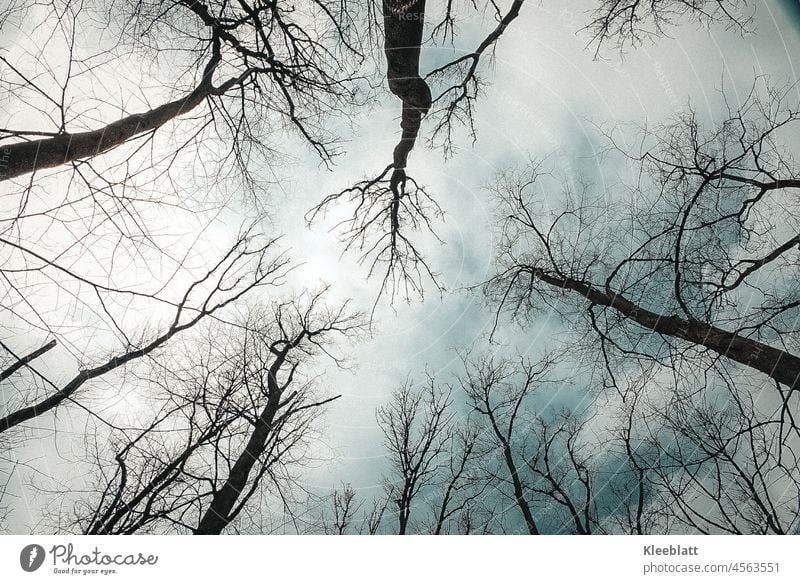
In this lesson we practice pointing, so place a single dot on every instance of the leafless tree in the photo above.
(690, 269)
(694, 263)
(664, 456)
(459, 81)
(389, 207)
(430, 456)
(628, 489)
(460, 488)
(688, 273)
(727, 463)
(381, 229)
(237, 66)
(130, 132)
(249, 264)
(630, 22)
(493, 392)
(432, 474)
(414, 425)
(387, 204)
(232, 428)
(561, 477)
(345, 507)
(128, 136)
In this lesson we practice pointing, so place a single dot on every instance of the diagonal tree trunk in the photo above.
(218, 514)
(23, 361)
(781, 366)
(26, 157)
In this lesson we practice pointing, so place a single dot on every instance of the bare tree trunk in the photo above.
(403, 25)
(217, 516)
(405, 513)
(781, 366)
(26, 157)
(519, 495)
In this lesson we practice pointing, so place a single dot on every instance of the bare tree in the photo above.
(157, 120)
(681, 457)
(460, 486)
(562, 472)
(232, 423)
(389, 207)
(701, 265)
(242, 63)
(381, 230)
(688, 273)
(432, 458)
(493, 392)
(417, 425)
(631, 22)
(387, 203)
(566, 470)
(543, 459)
(246, 266)
(631, 506)
(691, 270)
(727, 463)
(345, 506)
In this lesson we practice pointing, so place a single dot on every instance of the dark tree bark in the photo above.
(236, 258)
(271, 62)
(780, 365)
(23, 361)
(403, 26)
(26, 157)
(218, 514)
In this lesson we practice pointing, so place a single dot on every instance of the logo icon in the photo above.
(31, 557)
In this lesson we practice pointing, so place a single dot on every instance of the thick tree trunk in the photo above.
(403, 25)
(405, 513)
(26, 157)
(781, 366)
(218, 515)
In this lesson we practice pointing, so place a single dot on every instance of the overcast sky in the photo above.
(545, 92)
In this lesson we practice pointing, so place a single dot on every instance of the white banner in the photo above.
(389, 559)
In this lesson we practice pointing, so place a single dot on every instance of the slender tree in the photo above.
(249, 264)
(234, 423)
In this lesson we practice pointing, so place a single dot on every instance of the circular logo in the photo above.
(31, 557)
